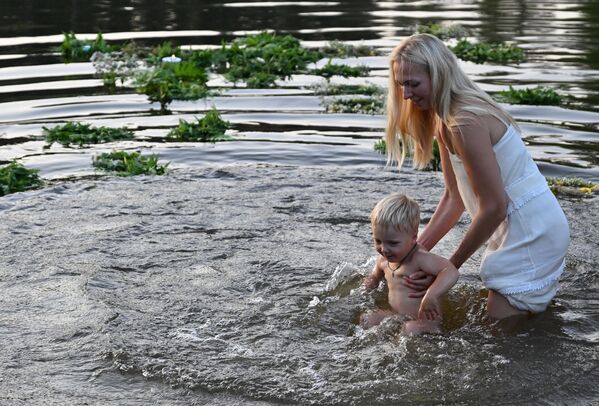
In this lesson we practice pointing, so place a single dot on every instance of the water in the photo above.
(236, 278)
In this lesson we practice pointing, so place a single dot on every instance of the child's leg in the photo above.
(499, 308)
(374, 318)
(417, 327)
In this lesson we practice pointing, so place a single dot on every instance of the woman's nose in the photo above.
(407, 93)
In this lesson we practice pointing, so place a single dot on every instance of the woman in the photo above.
(486, 169)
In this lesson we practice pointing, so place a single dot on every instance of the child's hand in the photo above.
(430, 308)
(371, 282)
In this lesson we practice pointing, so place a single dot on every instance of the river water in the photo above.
(235, 279)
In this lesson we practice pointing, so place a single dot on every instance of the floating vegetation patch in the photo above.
(169, 81)
(262, 58)
(574, 187)
(443, 31)
(435, 163)
(84, 134)
(484, 52)
(75, 50)
(534, 96)
(117, 66)
(15, 177)
(123, 163)
(210, 128)
(328, 89)
(342, 50)
(330, 69)
(362, 105)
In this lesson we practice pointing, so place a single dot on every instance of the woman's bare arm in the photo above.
(473, 144)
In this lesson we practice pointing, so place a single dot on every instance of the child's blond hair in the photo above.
(397, 210)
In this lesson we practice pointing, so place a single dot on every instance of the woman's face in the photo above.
(415, 83)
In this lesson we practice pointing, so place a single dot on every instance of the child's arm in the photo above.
(447, 275)
(372, 281)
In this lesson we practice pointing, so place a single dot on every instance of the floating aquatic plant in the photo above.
(572, 187)
(485, 52)
(262, 58)
(324, 88)
(341, 50)
(363, 105)
(15, 177)
(118, 65)
(75, 50)
(210, 128)
(169, 81)
(435, 163)
(163, 50)
(535, 96)
(82, 134)
(443, 31)
(330, 69)
(129, 163)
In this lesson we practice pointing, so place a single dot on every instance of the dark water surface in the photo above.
(235, 279)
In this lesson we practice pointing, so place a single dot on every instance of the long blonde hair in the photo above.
(452, 95)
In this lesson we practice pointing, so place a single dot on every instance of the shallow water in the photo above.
(235, 279)
(242, 284)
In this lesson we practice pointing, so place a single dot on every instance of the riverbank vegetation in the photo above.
(534, 96)
(15, 177)
(210, 128)
(80, 134)
(122, 163)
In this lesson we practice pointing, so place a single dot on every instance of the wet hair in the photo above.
(454, 100)
(397, 210)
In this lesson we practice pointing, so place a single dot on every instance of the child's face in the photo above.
(391, 243)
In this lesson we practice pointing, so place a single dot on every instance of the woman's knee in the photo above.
(498, 307)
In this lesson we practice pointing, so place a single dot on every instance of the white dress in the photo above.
(525, 255)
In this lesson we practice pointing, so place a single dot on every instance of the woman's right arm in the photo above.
(449, 209)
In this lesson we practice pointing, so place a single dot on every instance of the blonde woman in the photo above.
(486, 170)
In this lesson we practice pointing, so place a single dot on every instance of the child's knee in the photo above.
(417, 327)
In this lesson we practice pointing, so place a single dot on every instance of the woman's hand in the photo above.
(430, 308)
(419, 282)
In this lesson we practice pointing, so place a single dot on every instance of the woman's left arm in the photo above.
(472, 142)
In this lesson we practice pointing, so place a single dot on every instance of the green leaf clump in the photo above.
(328, 89)
(485, 52)
(330, 69)
(129, 164)
(84, 134)
(435, 163)
(534, 96)
(363, 105)
(342, 50)
(169, 81)
(15, 177)
(443, 31)
(573, 187)
(210, 128)
(76, 50)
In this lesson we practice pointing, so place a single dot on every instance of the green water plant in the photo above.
(330, 69)
(482, 52)
(165, 49)
(534, 96)
(343, 50)
(84, 134)
(261, 59)
(124, 163)
(356, 105)
(210, 128)
(435, 163)
(15, 177)
(324, 88)
(443, 31)
(76, 50)
(572, 186)
(169, 81)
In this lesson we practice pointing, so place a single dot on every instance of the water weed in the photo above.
(484, 52)
(324, 88)
(75, 50)
(84, 134)
(123, 163)
(330, 69)
(363, 105)
(574, 187)
(442, 31)
(15, 177)
(210, 128)
(342, 50)
(534, 96)
(435, 163)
